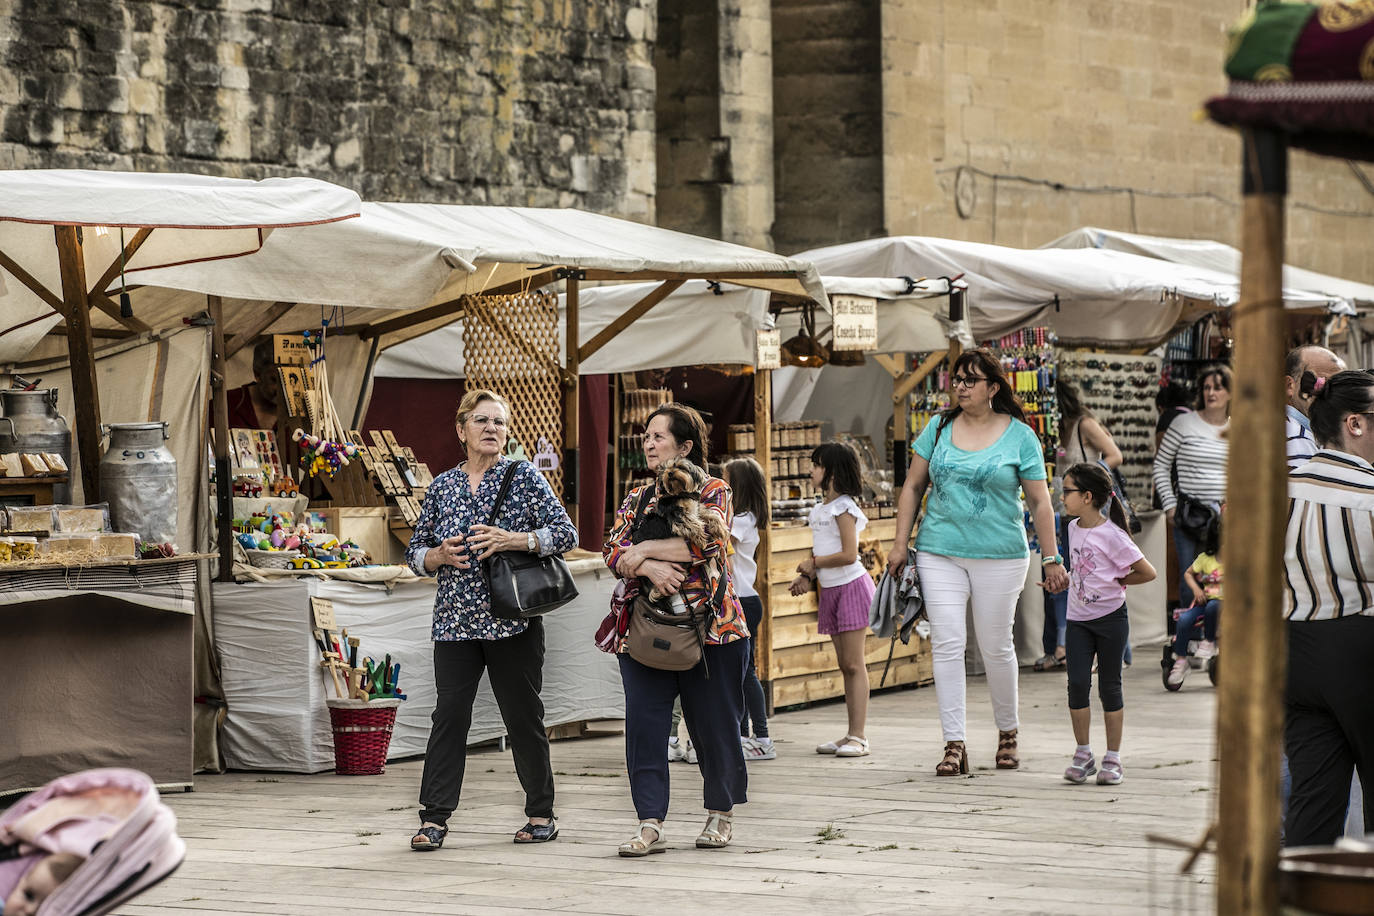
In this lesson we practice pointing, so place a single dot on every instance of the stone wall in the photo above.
(531, 102)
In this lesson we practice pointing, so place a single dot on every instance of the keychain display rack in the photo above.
(1120, 391)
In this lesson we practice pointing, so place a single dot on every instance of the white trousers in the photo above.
(994, 586)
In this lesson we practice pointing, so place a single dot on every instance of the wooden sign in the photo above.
(768, 349)
(323, 611)
(293, 388)
(855, 322)
(290, 350)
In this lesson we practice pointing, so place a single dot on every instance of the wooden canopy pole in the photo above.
(1250, 692)
(763, 454)
(571, 440)
(81, 351)
(224, 469)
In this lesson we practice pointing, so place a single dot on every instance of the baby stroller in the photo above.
(1167, 663)
(109, 824)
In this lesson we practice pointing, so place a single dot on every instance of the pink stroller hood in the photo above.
(114, 819)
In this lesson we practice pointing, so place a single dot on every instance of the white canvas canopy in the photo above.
(1214, 256)
(1088, 296)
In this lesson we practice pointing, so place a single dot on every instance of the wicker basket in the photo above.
(362, 735)
(272, 559)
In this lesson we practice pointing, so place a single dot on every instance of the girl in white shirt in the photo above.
(749, 497)
(846, 588)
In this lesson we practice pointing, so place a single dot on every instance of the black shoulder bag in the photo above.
(523, 584)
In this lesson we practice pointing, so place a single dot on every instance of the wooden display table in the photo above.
(29, 491)
(802, 665)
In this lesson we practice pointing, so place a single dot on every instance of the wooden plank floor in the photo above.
(903, 839)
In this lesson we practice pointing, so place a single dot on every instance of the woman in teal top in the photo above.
(977, 459)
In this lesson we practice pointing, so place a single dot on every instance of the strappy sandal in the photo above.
(955, 762)
(1050, 662)
(853, 746)
(717, 832)
(637, 847)
(539, 833)
(428, 838)
(1006, 751)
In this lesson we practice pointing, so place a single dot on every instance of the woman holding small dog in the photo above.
(712, 691)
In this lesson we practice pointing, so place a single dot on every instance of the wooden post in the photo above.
(571, 414)
(81, 350)
(1250, 693)
(763, 454)
(224, 467)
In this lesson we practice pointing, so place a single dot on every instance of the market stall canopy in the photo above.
(702, 323)
(1219, 257)
(1090, 297)
(153, 220)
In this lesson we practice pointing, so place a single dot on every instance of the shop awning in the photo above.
(1219, 257)
(1089, 296)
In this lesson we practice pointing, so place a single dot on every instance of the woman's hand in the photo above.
(666, 577)
(896, 559)
(800, 585)
(452, 552)
(1169, 517)
(1056, 579)
(807, 567)
(488, 539)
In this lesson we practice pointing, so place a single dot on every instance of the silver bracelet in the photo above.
(531, 543)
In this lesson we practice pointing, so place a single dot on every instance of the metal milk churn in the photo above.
(31, 424)
(138, 478)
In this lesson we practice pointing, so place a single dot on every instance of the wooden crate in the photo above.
(369, 526)
(803, 665)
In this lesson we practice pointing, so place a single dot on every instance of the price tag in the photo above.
(323, 611)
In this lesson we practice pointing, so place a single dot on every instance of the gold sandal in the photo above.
(955, 762)
(717, 832)
(638, 846)
(1006, 751)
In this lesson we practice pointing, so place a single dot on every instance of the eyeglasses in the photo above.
(966, 381)
(1067, 490)
(480, 420)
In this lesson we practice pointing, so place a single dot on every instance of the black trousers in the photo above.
(515, 667)
(710, 705)
(1330, 726)
(1106, 638)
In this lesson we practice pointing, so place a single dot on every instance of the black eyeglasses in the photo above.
(1067, 490)
(966, 381)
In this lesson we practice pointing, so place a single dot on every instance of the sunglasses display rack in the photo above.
(1120, 391)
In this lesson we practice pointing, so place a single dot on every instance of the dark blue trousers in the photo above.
(712, 707)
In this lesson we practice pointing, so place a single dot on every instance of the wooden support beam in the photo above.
(135, 243)
(97, 333)
(763, 454)
(453, 307)
(918, 375)
(632, 314)
(571, 412)
(893, 364)
(42, 292)
(1250, 694)
(737, 275)
(81, 352)
(224, 468)
(244, 338)
(111, 308)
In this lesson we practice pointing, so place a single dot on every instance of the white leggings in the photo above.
(947, 584)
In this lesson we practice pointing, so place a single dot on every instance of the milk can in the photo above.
(31, 424)
(138, 478)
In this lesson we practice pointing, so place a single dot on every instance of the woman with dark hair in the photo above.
(977, 457)
(1083, 440)
(711, 692)
(1195, 447)
(749, 498)
(1328, 562)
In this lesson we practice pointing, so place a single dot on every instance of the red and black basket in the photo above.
(362, 735)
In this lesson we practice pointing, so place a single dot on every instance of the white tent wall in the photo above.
(846, 399)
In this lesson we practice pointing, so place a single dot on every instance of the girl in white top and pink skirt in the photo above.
(846, 587)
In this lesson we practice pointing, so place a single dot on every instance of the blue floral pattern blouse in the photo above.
(462, 605)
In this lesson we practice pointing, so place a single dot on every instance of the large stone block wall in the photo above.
(1087, 112)
(532, 102)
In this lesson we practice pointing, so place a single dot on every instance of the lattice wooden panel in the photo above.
(510, 345)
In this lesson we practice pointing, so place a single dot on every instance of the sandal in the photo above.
(1006, 751)
(638, 846)
(539, 833)
(717, 832)
(427, 838)
(1050, 662)
(853, 746)
(955, 762)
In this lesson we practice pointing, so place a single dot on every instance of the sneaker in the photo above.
(1178, 672)
(1111, 773)
(759, 749)
(1083, 766)
(676, 751)
(1205, 649)
(691, 755)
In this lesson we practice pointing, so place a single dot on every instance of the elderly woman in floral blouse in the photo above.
(451, 539)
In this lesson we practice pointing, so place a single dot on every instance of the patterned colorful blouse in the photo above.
(462, 605)
(728, 623)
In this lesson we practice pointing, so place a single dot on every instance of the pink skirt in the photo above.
(845, 607)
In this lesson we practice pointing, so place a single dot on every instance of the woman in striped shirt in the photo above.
(1195, 446)
(1328, 562)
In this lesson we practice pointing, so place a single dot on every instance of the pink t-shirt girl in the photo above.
(1098, 558)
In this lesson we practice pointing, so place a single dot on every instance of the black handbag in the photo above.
(1194, 516)
(523, 584)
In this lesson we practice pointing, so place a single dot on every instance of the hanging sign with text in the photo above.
(855, 322)
(768, 354)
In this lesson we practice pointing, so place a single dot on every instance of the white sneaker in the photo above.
(676, 751)
(1205, 649)
(1178, 672)
(691, 756)
(758, 749)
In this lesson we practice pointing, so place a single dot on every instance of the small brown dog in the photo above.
(679, 512)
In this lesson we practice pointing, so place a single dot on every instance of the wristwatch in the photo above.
(1055, 560)
(531, 543)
